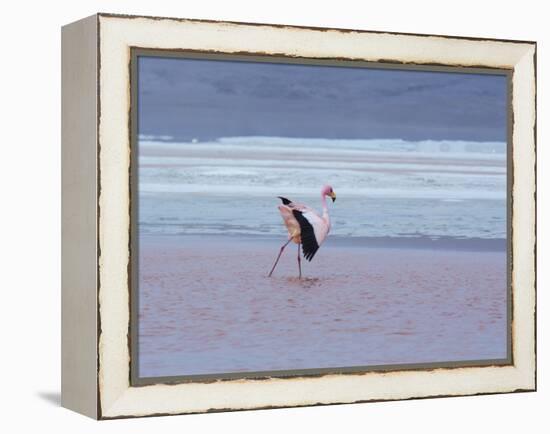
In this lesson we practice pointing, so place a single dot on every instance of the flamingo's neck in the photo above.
(325, 208)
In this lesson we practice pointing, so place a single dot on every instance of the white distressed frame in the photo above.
(116, 398)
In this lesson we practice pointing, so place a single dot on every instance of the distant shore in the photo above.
(206, 305)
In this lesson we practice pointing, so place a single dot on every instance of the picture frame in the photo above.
(99, 196)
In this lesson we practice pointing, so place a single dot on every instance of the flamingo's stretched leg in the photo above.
(299, 263)
(280, 253)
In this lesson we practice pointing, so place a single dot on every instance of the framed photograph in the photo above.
(261, 216)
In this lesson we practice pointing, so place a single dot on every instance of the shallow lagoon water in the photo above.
(207, 306)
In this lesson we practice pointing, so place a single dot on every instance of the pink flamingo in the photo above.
(305, 226)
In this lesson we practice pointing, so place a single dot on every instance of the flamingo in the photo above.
(305, 226)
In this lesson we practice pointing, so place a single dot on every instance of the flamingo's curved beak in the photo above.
(332, 195)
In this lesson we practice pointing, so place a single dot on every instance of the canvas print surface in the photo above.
(297, 217)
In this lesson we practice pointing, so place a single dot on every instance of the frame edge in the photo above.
(79, 321)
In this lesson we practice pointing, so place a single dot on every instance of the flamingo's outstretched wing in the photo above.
(312, 228)
(313, 231)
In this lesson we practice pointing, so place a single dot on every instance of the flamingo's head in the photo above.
(328, 191)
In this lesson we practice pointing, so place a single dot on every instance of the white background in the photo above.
(30, 216)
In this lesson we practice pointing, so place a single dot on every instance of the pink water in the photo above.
(207, 307)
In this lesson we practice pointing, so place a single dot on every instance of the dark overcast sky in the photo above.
(207, 99)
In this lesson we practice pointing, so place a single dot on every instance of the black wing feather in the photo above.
(309, 242)
(285, 200)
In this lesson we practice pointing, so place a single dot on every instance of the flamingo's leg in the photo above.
(299, 263)
(279, 256)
